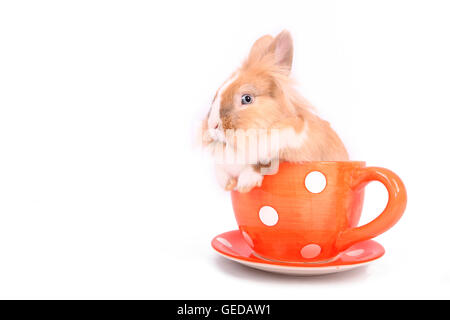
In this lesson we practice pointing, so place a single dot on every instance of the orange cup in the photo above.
(309, 212)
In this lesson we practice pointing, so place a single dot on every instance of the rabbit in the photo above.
(260, 97)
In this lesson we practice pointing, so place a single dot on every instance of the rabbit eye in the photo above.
(246, 99)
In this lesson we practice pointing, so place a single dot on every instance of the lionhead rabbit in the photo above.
(259, 107)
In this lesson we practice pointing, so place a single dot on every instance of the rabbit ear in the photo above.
(260, 48)
(280, 48)
(283, 49)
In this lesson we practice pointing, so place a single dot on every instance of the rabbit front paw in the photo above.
(248, 179)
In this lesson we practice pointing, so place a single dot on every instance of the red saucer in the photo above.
(232, 246)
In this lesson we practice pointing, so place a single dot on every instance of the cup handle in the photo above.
(392, 213)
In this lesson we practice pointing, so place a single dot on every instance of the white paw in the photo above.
(225, 180)
(248, 179)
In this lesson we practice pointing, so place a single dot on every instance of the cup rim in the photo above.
(328, 162)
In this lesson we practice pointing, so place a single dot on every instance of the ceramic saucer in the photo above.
(232, 246)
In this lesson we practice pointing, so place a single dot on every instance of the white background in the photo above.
(102, 193)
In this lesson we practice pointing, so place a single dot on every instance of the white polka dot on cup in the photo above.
(315, 182)
(268, 216)
(310, 251)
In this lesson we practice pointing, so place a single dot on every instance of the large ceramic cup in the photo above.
(309, 212)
